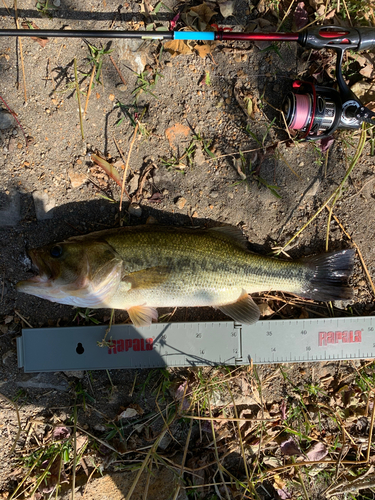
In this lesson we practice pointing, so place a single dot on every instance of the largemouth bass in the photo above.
(145, 267)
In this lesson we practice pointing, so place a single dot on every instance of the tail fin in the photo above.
(328, 276)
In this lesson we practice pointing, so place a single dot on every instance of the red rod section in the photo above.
(273, 37)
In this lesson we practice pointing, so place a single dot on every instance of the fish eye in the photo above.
(56, 251)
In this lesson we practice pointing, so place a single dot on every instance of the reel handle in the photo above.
(341, 39)
(334, 37)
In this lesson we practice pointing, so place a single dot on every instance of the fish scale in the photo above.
(217, 278)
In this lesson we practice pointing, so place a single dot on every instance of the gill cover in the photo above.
(78, 272)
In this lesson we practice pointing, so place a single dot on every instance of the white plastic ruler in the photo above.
(196, 344)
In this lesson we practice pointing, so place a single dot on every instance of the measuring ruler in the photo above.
(196, 344)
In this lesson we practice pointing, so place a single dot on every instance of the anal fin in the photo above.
(244, 310)
(142, 315)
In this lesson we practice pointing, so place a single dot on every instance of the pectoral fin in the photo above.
(142, 315)
(244, 310)
(147, 278)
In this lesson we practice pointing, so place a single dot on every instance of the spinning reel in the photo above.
(317, 111)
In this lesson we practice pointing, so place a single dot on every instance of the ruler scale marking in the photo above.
(197, 344)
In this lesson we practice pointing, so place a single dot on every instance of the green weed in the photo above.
(146, 81)
(86, 315)
(44, 7)
(96, 59)
(80, 391)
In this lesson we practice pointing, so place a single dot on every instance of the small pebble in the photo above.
(135, 209)
(180, 202)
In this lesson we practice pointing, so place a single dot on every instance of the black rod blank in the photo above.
(143, 35)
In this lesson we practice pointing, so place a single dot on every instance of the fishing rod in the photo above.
(315, 112)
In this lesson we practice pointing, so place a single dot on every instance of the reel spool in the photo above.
(316, 112)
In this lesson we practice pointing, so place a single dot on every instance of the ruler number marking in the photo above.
(304, 332)
(269, 334)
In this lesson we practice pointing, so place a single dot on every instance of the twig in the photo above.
(127, 164)
(359, 254)
(89, 90)
(231, 419)
(219, 466)
(74, 453)
(370, 431)
(23, 319)
(21, 52)
(329, 218)
(249, 482)
(357, 155)
(362, 188)
(305, 494)
(120, 151)
(144, 464)
(255, 371)
(78, 97)
(118, 71)
(285, 15)
(184, 459)
(15, 117)
(18, 420)
(5, 5)
(347, 12)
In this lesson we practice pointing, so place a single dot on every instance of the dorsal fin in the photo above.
(231, 233)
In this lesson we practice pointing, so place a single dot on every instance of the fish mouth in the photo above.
(42, 272)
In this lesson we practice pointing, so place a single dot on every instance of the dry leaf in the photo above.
(108, 168)
(301, 17)
(278, 482)
(364, 90)
(128, 413)
(290, 448)
(251, 106)
(226, 8)
(204, 11)
(203, 50)
(272, 461)
(325, 144)
(181, 395)
(265, 309)
(42, 41)
(317, 452)
(60, 433)
(177, 47)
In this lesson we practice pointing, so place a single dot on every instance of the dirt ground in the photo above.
(50, 188)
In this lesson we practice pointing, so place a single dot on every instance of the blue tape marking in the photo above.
(194, 35)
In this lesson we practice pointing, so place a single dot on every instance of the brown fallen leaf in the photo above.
(317, 451)
(204, 11)
(226, 8)
(108, 168)
(177, 47)
(203, 50)
(42, 41)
